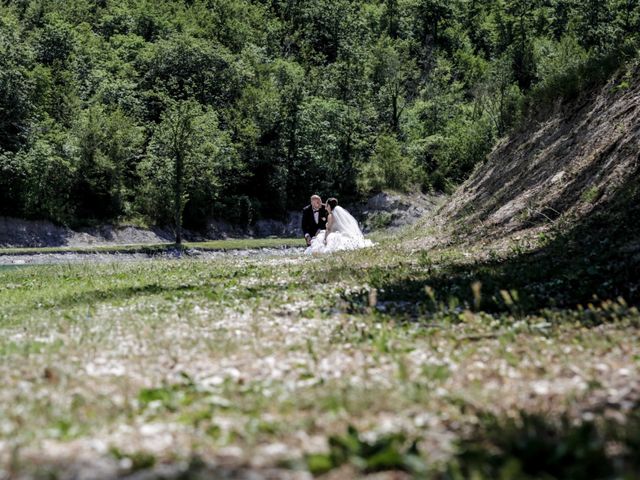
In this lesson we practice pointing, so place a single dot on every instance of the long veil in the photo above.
(344, 222)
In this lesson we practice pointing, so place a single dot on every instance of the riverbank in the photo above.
(384, 211)
(117, 253)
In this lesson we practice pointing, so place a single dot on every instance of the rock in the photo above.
(276, 228)
(219, 230)
(386, 202)
(394, 210)
(28, 233)
(15, 232)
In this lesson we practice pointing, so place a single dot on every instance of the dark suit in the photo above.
(309, 225)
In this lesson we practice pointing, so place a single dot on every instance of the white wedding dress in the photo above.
(345, 235)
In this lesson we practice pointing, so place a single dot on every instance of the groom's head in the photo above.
(316, 202)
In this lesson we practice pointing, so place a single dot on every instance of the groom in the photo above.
(314, 218)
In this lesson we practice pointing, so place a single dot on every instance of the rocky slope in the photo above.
(554, 211)
(563, 169)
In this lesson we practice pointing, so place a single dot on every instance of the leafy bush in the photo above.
(387, 452)
(450, 157)
(559, 66)
(565, 69)
(388, 168)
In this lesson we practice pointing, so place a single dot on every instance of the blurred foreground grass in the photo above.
(447, 363)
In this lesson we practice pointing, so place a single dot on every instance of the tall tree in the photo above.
(186, 154)
(521, 16)
(16, 87)
(393, 73)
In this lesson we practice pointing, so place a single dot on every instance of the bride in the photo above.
(342, 233)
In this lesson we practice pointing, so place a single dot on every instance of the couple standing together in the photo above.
(329, 228)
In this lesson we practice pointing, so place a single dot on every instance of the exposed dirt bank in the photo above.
(384, 210)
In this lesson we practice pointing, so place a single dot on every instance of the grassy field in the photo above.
(439, 363)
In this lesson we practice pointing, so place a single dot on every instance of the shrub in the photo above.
(388, 168)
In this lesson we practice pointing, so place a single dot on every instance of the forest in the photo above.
(276, 99)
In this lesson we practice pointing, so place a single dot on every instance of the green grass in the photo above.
(382, 359)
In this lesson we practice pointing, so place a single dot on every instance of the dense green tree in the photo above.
(16, 86)
(107, 147)
(286, 97)
(388, 167)
(183, 67)
(431, 18)
(55, 42)
(627, 15)
(186, 157)
(393, 73)
(594, 23)
(13, 175)
(501, 95)
(49, 176)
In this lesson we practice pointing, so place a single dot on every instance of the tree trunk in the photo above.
(178, 199)
(395, 120)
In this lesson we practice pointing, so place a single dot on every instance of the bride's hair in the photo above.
(332, 202)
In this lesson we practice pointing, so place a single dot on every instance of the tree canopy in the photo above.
(284, 98)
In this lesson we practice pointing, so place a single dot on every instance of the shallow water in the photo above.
(15, 261)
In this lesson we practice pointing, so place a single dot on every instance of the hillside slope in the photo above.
(573, 164)
(554, 211)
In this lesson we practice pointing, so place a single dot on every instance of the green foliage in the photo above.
(55, 42)
(13, 175)
(388, 168)
(49, 177)
(387, 452)
(107, 146)
(16, 88)
(566, 70)
(500, 96)
(187, 157)
(323, 127)
(183, 67)
(300, 93)
(463, 144)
